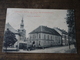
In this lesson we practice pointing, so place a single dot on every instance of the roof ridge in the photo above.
(11, 28)
(45, 29)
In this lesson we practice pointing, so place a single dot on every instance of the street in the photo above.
(60, 49)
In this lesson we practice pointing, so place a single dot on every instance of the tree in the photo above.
(71, 25)
(9, 38)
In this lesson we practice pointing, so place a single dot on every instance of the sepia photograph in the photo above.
(39, 31)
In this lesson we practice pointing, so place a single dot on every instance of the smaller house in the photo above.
(64, 36)
(8, 26)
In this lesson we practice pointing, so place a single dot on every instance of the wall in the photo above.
(45, 40)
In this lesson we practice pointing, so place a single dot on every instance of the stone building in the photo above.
(22, 31)
(44, 36)
(22, 35)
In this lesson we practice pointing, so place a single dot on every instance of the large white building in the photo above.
(44, 36)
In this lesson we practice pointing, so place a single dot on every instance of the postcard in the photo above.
(39, 31)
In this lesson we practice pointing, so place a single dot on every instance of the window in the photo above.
(48, 36)
(39, 43)
(22, 30)
(59, 39)
(39, 36)
(44, 36)
(54, 37)
(34, 37)
(30, 37)
(18, 30)
(63, 35)
(51, 37)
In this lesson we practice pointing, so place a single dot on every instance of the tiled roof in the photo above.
(63, 31)
(45, 29)
(10, 28)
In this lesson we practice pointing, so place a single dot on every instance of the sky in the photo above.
(33, 18)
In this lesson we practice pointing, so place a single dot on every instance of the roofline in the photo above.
(45, 33)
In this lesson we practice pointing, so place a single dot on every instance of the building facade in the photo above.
(64, 36)
(44, 36)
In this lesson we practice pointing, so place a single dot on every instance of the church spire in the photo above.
(22, 19)
(22, 23)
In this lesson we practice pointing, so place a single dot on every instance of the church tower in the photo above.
(22, 31)
(22, 24)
